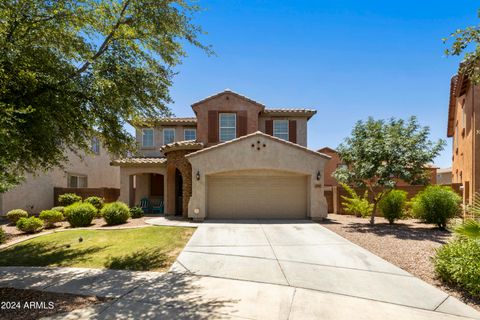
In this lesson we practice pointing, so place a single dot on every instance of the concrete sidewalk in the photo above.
(254, 270)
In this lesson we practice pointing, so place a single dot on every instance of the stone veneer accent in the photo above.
(176, 160)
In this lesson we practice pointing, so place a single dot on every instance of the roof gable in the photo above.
(257, 134)
(225, 92)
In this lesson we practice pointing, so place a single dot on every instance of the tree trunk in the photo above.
(372, 218)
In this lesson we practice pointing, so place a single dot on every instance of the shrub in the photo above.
(68, 199)
(97, 202)
(80, 214)
(30, 225)
(392, 205)
(59, 209)
(359, 206)
(136, 212)
(14, 215)
(50, 217)
(115, 213)
(458, 262)
(436, 204)
(469, 229)
(3, 235)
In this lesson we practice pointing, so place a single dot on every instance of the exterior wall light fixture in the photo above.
(197, 175)
(319, 175)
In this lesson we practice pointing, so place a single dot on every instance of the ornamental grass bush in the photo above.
(356, 204)
(50, 217)
(80, 214)
(393, 204)
(115, 213)
(436, 204)
(67, 199)
(458, 263)
(136, 212)
(29, 225)
(14, 215)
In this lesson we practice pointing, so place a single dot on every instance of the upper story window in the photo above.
(77, 181)
(190, 134)
(280, 129)
(228, 126)
(95, 145)
(147, 138)
(168, 135)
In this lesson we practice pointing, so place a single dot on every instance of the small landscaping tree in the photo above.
(379, 153)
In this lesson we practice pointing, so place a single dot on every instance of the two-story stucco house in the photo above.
(235, 159)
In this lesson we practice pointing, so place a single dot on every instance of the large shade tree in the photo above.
(466, 42)
(379, 153)
(71, 70)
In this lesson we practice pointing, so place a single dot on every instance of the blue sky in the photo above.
(347, 59)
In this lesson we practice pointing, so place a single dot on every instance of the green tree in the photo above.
(461, 41)
(71, 70)
(380, 152)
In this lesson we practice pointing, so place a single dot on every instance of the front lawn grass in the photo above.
(149, 248)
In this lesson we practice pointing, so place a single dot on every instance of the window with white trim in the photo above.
(147, 138)
(168, 135)
(190, 134)
(280, 129)
(227, 126)
(95, 145)
(77, 181)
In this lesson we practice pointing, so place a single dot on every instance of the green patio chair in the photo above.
(157, 207)
(145, 205)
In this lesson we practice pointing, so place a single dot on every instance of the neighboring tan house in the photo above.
(235, 159)
(464, 128)
(36, 193)
(335, 162)
(444, 176)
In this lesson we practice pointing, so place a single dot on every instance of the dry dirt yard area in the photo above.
(408, 244)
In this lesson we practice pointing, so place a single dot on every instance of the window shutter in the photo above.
(242, 123)
(269, 127)
(292, 131)
(212, 126)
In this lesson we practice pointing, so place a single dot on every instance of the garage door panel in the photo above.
(257, 197)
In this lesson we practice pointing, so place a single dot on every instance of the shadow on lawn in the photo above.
(45, 254)
(141, 260)
(401, 231)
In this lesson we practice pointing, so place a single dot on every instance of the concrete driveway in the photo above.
(300, 270)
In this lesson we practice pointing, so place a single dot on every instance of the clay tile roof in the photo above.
(164, 121)
(181, 145)
(290, 112)
(232, 92)
(138, 161)
(259, 133)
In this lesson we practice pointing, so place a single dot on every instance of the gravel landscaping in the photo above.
(32, 304)
(409, 244)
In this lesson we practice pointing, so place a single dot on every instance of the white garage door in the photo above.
(257, 196)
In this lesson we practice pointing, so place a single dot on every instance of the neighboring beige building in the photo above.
(444, 176)
(36, 193)
(235, 159)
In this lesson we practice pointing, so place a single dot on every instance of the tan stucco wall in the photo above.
(240, 155)
(301, 127)
(331, 166)
(36, 193)
(142, 182)
(227, 102)
(158, 139)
